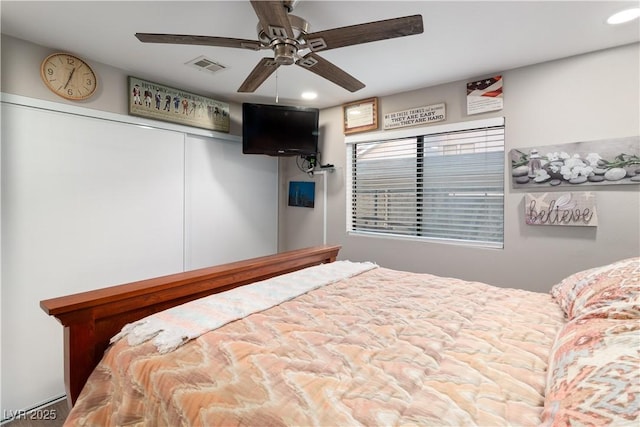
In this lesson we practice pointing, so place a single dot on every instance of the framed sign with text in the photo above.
(571, 208)
(415, 116)
(156, 101)
(360, 116)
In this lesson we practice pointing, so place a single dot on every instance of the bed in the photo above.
(299, 338)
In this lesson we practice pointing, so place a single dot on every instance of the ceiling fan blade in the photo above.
(365, 33)
(273, 18)
(326, 69)
(199, 40)
(259, 74)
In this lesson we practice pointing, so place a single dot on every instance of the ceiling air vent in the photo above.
(205, 64)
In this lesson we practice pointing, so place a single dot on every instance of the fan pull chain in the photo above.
(276, 85)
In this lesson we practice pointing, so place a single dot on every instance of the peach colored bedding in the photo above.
(382, 348)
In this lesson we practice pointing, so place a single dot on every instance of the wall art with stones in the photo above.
(593, 163)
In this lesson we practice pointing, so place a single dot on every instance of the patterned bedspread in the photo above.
(381, 348)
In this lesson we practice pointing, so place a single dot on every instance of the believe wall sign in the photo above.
(415, 116)
(575, 208)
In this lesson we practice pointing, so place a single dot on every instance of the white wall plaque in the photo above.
(576, 208)
(415, 116)
(484, 95)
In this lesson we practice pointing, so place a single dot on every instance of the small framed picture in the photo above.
(302, 193)
(360, 116)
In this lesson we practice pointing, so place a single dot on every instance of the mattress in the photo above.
(383, 347)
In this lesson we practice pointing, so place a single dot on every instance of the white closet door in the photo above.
(86, 203)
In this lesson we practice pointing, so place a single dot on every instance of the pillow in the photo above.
(612, 290)
(593, 376)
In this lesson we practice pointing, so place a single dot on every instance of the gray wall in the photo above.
(582, 98)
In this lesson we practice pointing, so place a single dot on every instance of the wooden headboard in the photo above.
(91, 318)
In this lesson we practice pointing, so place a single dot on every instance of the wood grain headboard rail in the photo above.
(91, 318)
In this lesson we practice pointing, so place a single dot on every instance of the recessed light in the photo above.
(624, 16)
(309, 95)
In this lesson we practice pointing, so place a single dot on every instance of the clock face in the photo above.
(68, 76)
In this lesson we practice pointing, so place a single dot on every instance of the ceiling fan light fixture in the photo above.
(285, 53)
(624, 16)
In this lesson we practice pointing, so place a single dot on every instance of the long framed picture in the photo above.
(155, 101)
(612, 161)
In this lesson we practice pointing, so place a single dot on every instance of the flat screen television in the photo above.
(278, 130)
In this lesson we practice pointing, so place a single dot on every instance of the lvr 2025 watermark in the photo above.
(33, 415)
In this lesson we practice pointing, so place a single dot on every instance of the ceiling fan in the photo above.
(288, 37)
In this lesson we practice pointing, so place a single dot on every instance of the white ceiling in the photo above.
(461, 40)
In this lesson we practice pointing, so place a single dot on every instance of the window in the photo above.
(446, 185)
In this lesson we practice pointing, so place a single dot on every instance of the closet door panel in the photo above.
(86, 203)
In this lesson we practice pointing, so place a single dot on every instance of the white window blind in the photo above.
(445, 186)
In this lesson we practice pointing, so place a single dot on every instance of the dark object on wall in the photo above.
(278, 130)
(302, 193)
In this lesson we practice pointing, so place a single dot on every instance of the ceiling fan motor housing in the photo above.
(285, 49)
(289, 4)
(299, 26)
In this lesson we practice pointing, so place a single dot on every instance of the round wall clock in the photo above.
(68, 76)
